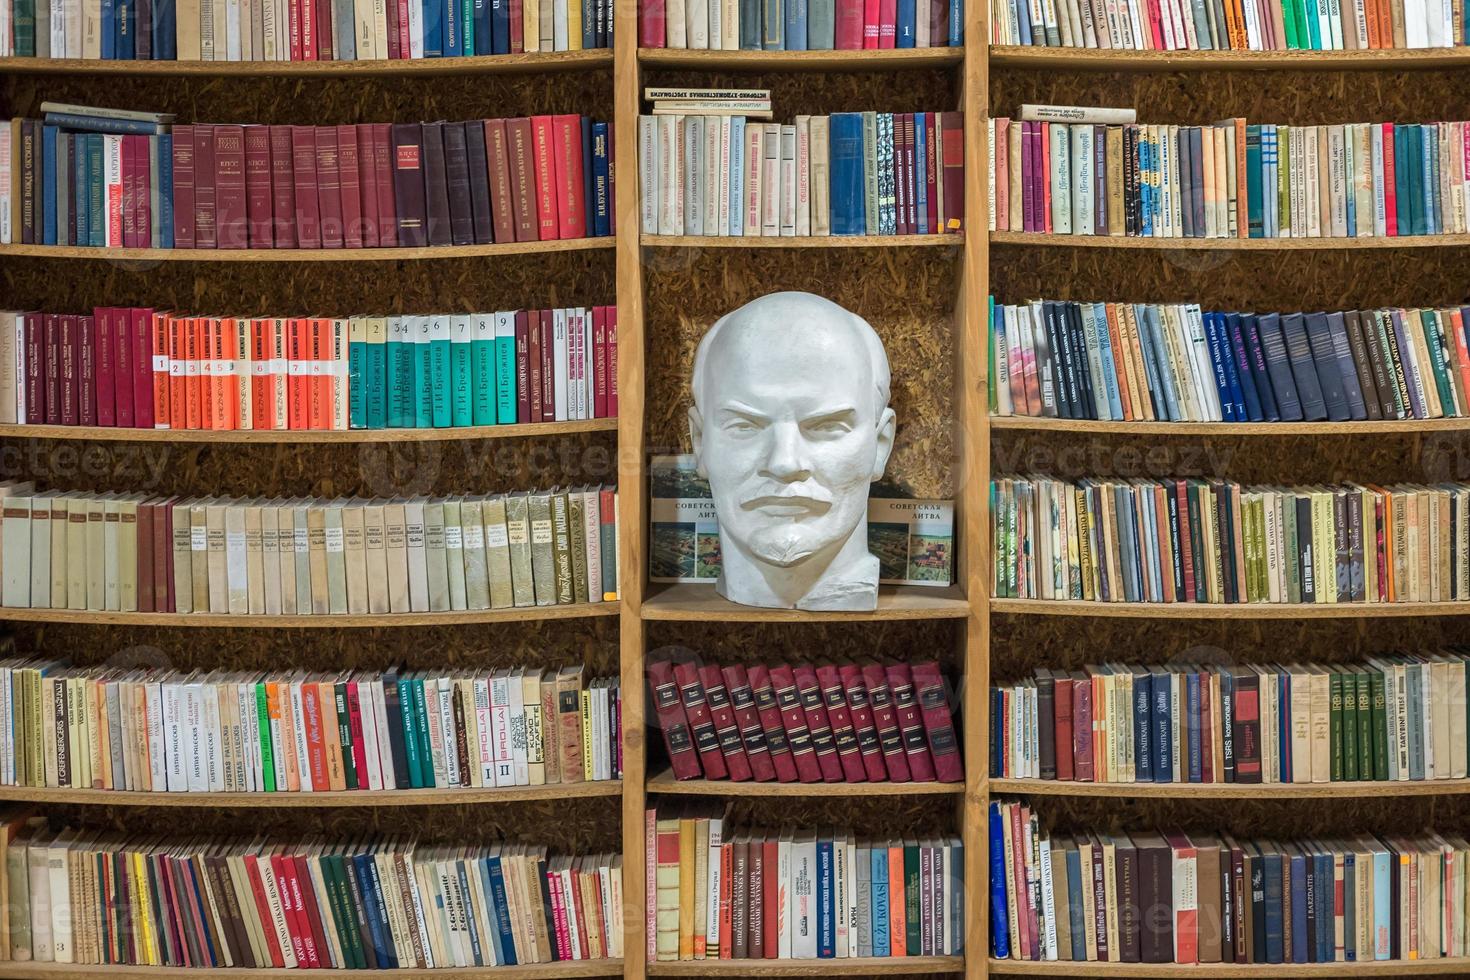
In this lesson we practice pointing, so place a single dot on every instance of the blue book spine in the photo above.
(126, 16)
(165, 31)
(1249, 408)
(737, 175)
(849, 212)
(502, 912)
(1382, 908)
(432, 12)
(369, 896)
(1256, 363)
(1303, 369)
(1283, 385)
(601, 187)
(375, 380)
(1196, 772)
(80, 199)
(750, 25)
(794, 27)
(48, 185)
(453, 28)
(772, 25)
(956, 23)
(1000, 935)
(210, 939)
(826, 906)
(482, 868)
(482, 361)
(460, 375)
(1219, 362)
(1275, 938)
(1326, 940)
(389, 956)
(166, 190)
(880, 890)
(1430, 170)
(97, 124)
(1143, 760)
(1298, 908)
(589, 24)
(904, 27)
(921, 186)
(109, 29)
(1350, 908)
(589, 216)
(1283, 727)
(1163, 729)
(505, 369)
(1074, 904)
(1109, 366)
(357, 383)
(483, 17)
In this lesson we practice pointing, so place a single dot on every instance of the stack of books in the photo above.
(828, 722)
(137, 367)
(1206, 898)
(1216, 541)
(850, 173)
(1175, 362)
(723, 892)
(299, 30)
(1226, 25)
(796, 25)
(115, 178)
(168, 731)
(95, 897)
(305, 556)
(1072, 170)
(1394, 717)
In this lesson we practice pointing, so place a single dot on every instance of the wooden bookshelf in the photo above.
(827, 241)
(299, 254)
(535, 971)
(664, 782)
(327, 799)
(1231, 791)
(219, 620)
(550, 61)
(1275, 971)
(1019, 423)
(857, 966)
(1202, 610)
(84, 433)
(1086, 59)
(701, 603)
(1227, 244)
(894, 59)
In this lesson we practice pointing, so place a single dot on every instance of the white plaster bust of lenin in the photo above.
(791, 425)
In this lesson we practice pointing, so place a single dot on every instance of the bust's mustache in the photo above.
(800, 497)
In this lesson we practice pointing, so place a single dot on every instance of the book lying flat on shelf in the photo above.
(913, 539)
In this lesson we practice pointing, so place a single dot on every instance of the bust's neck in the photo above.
(842, 576)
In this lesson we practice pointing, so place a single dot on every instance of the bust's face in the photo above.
(790, 434)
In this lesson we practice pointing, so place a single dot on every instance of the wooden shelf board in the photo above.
(855, 966)
(536, 971)
(1028, 424)
(293, 436)
(523, 614)
(665, 782)
(1232, 791)
(701, 603)
(1273, 971)
(1226, 244)
(364, 798)
(1199, 610)
(847, 61)
(1083, 59)
(828, 241)
(300, 254)
(487, 65)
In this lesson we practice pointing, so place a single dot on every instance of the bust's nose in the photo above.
(787, 459)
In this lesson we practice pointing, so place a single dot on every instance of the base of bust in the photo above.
(855, 591)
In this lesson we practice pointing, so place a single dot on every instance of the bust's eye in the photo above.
(829, 427)
(740, 426)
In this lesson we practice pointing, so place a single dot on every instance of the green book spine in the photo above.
(438, 395)
(408, 708)
(460, 377)
(340, 884)
(426, 750)
(1283, 179)
(505, 368)
(1365, 726)
(1380, 725)
(608, 530)
(1335, 728)
(990, 393)
(1430, 325)
(1354, 761)
(97, 230)
(914, 936)
(267, 748)
(1288, 22)
(357, 389)
(344, 732)
(376, 374)
(399, 357)
(25, 30)
(467, 28)
(423, 377)
(482, 361)
(1314, 28)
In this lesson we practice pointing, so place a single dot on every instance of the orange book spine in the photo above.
(161, 379)
(194, 337)
(178, 370)
(320, 379)
(275, 342)
(296, 331)
(331, 735)
(897, 924)
(278, 698)
(221, 343)
(260, 413)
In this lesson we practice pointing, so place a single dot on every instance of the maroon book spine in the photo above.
(701, 725)
(35, 380)
(522, 170)
(349, 182)
(143, 221)
(87, 370)
(844, 737)
(71, 367)
(144, 570)
(952, 168)
(748, 721)
(1062, 708)
(122, 367)
(258, 193)
(163, 544)
(283, 189)
(307, 217)
(793, 719)
(205, 229)
(517, 27)
(140, 336)
(612, 362)
(54, 410)
(394, 48)
(885, 719)
(599, 362)
(1082, 728)
(367, 183)
(183, 143)
(778, 747)
(497, 154)
(933, 700)
(669, 709)
(861, 713)
(931, 166)
(910, 723)
(383, 175)
(408, 184)
(106, 366)
(722, 714)
(128, 209)
(817, 722)
(323, 11)
(548, 367)
(329, 187)
(533, 370)
(523, 367)
(231, 229)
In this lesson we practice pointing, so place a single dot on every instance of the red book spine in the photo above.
(383, 177)
(517, 27)
(142, 199)
(1082, 728)
(1206, 732)
(71, 363)
(952, 162)
(901, 186)
(1390, 194)
(205, 207)
(307, 217)
(1181, 499)
(288, 908)
(887, 23)
(793, 719)
(771, 888)
(612, 362)
(748, 720)
(669, 709)
(309, 25)
(533, 371)
(53, 370)
(571, 192)
(258, 193)
(35, 379)
(106, 366)
(359, 747)
(367, 182)
(329, 187)
(910, 722)
(701, 725)
(599, 363)
(523, 368)
(311, 919)
(129, 156)
(885, 719)
(1062, 710)
(727, 730)
(849, 34)
(778, 748)
(139, 336)
(294, 27)
(158, 335)
(179, 329)
(863, 728)
(283, 190)
(122, 359)
(544, 156)
(870, 25)
(163, 544)
(652, 27)
(817, 722)
(502, 208)
(350, 186)
(405, 42)
(844, 737)
(262, 906)
(931, 169)
(933, 700)
(395, 50)
(727, 891)
(86, 370)
(183, 150)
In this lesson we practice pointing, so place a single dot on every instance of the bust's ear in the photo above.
(887, 424)
(696, 439)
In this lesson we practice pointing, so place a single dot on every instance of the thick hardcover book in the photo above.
(701, 724)
(498, 158)
(794, 720)
(570, 192)
(727, 729)
(910, 722)
(885, 719)
(844, 736)
(205, 209)
(1304, 372)
(408, 185)
(669, 708)
(769, 711)
(544, 185)
(383, 160)
(304, 183)
(283, 188)
(1046, 745)
(349, 186)
(436, 185)
(231, 229)
(183, 152)
(748, 721)
(329, 187)
(818, 723)
(933, 700)
(457, 184)
(477, 162)
(846, 174)
(258, 186)
(864, 728)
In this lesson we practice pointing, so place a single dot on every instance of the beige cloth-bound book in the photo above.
(316, 572)
(237, 582)
(336, 554)
(354, 555)
(183, 509)
(127, 551)
(254, 557)
(418, 566)
(507, 552)
(435, 564)
(217, 586)
(472, 512)
(270, 557)
(395, 548)
(454, 560)
(375, 556)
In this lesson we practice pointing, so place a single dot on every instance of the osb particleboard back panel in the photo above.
(814, 93)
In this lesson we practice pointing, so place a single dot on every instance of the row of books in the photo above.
(1216, 541)
(825, 722)
(725, 892)
(1227, 179)
(85, 896)
(799, 25)
(1393, 717)
(1175, 362)
(77, 178)
(298, 30)
(306, 556)
(1204, 898)
(1226, 25)
(912, 539)
(169, 731)
(850, 173)
(136, 367)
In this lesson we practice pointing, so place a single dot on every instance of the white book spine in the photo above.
(485, 726)
(517, 714)
(804, 176)
(504, 759)
(298, 724)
